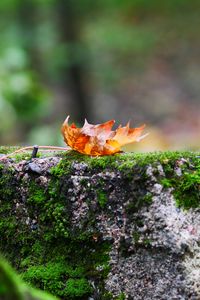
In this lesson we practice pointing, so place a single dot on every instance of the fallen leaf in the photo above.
(99, 139)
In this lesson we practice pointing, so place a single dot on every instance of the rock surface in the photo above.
(142, 209)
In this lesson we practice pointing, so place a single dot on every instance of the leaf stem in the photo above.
(28, 148)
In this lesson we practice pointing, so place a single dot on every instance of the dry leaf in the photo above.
(99, 139)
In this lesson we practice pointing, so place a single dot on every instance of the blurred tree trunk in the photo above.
(74, 75)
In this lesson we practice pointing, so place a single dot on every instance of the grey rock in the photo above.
(34, 167)
(41, 166)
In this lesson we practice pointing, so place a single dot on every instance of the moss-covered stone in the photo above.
(62, 218)
(183, 175)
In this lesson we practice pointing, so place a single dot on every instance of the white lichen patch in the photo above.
(191, 264)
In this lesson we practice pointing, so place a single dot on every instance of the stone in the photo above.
(152, 238)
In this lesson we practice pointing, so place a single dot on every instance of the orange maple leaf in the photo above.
(99, 139)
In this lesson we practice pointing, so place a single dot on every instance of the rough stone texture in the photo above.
(155, 252)
(164, 269)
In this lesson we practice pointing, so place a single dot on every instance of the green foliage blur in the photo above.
(131, 59)
(12, 288)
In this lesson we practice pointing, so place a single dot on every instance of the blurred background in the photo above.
(135, 60)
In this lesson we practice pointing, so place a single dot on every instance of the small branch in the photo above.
(33, 148)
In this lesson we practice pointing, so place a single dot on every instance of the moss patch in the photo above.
(11, 287)
(186, 185)
(67, 267)
(102, 198)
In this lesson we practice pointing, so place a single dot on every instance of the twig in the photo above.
(28, 148)
(35, 151)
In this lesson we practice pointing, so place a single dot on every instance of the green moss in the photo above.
(127, 163)
(166, 182)
(187, 189)
(8, 222)
(185, 186)
(109, 296)
(68, 268)
(102, 198)
(147, 242)
(103, 162)
(77, 288)
(121, 161)
(122, 296)
(148, 198)
(11, 287)
(22, 156)
(6, 180)
(68, 158)
(7, 150)
(62, 169)
(125, 159)
(17, 156)
(8, 226)
(36, 194)
(136, 237)
(129, 160)
(51, 209)
(60, 279)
